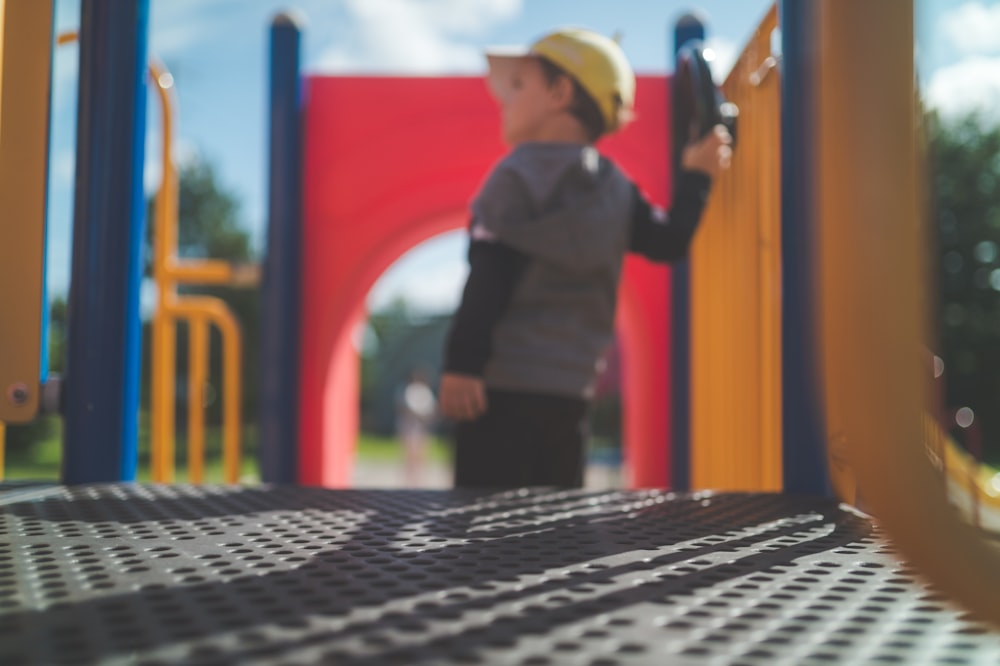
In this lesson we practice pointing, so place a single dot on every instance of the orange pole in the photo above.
(231, 434)
(214, 310)
(169, 272)
(164, 341)
(197, 367)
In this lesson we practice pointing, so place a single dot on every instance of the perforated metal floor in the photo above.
(226, 575)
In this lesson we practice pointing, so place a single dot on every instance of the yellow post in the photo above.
(25, 63)
(197, 378)
(164, 330)
(873, 282)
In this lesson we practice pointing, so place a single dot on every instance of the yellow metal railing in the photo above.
(199, 312)
(736, 292)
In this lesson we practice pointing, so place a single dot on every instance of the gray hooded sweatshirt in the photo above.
(569, 210)
(548, 233)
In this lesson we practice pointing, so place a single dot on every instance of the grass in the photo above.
(376, 448)
(43, 460)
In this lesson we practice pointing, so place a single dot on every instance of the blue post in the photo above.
(102, 369)
(804, 450)
(688, 27)
(279, 440)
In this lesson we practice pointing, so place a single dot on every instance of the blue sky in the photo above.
(217, 53)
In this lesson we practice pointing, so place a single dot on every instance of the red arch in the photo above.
(391, 162)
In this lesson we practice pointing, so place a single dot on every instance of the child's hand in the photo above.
(710, 154)
(462, 397)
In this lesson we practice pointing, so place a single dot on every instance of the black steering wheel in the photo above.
(698, 104)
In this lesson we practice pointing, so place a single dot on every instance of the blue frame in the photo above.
(281, 287)
(688, 27)
(103, 355)
(804, 458)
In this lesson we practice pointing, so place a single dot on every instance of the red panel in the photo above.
(390, 162)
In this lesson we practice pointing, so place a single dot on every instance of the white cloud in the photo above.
(973, 28)
(430, 37)
(172, 40)
(434, 292)
(430, 277)
(62, 169)
(418, 54)
(451, 16)
(726, 54)
(177, 25)
(65, 73)
(968, 85)
(363, 35)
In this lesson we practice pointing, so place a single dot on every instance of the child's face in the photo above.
(527, 103)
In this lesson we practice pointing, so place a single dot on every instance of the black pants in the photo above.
(523, 439)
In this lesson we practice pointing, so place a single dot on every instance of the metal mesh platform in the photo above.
(124, 573)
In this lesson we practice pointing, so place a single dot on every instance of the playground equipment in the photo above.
(645, 323)
(797, 396)
(736, 284)
(856, 372)
(24, 39)
(169, 271)
(871, 314)
(362, 212)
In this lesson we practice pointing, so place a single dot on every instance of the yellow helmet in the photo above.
(596, 62)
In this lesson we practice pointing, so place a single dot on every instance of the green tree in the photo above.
(208, 217)
(965, 210)
(384, 326)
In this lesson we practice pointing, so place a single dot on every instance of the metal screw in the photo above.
(18, 393)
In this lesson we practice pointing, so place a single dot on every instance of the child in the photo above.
(416, 410)
(549, 230)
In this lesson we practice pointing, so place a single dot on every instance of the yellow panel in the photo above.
(3, 15)
(736, 293)
(873, 293)
(26, 48)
